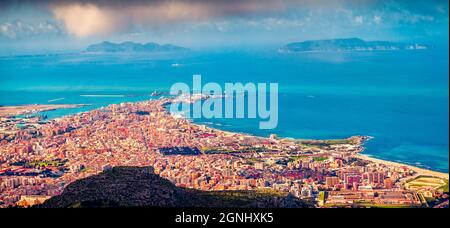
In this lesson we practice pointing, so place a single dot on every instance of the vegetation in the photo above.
(321, 196)
(140, 187)
(44, 164)
(322, 143)
(445, 187)
(319, 159)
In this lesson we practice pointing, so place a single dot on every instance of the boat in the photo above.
(155, 94)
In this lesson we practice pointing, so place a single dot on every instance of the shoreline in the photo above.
(364, 139)
(49, 107)
(360, 155)
(16, 110)
(418, 170)
(235, 161)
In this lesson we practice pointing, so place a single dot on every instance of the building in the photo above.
(331, 181)
(259, 165)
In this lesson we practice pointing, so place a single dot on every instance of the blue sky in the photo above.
(50, 25)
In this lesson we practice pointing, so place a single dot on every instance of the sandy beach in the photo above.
(420, 171)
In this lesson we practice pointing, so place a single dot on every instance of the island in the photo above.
(132, 47)
(348, 44)
(63, 163)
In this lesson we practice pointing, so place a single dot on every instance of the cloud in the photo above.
(359, 20)
(18, 29)
(86, 19)
(377, 19)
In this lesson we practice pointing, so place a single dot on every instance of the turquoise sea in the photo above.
(401, 98)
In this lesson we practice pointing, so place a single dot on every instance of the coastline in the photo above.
(8, 111)
(145, 133)
(35, 108)
(359, 155)
(420, 171)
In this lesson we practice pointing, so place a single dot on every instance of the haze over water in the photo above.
(398, 97)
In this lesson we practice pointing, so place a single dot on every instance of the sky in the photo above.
(71, 25)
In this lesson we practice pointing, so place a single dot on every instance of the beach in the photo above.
(420, 171)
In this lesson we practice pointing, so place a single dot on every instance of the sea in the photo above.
(400, 98)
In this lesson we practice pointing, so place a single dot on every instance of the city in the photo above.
(38, 159)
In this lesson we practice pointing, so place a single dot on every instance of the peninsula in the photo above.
(39, 160)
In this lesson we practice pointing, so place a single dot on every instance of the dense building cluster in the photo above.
(37, 160)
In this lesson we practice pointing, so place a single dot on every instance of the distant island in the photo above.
(128, 47)
(349, 44)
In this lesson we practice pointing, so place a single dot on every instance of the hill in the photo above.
(140, 187)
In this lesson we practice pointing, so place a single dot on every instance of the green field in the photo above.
(319, 159)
